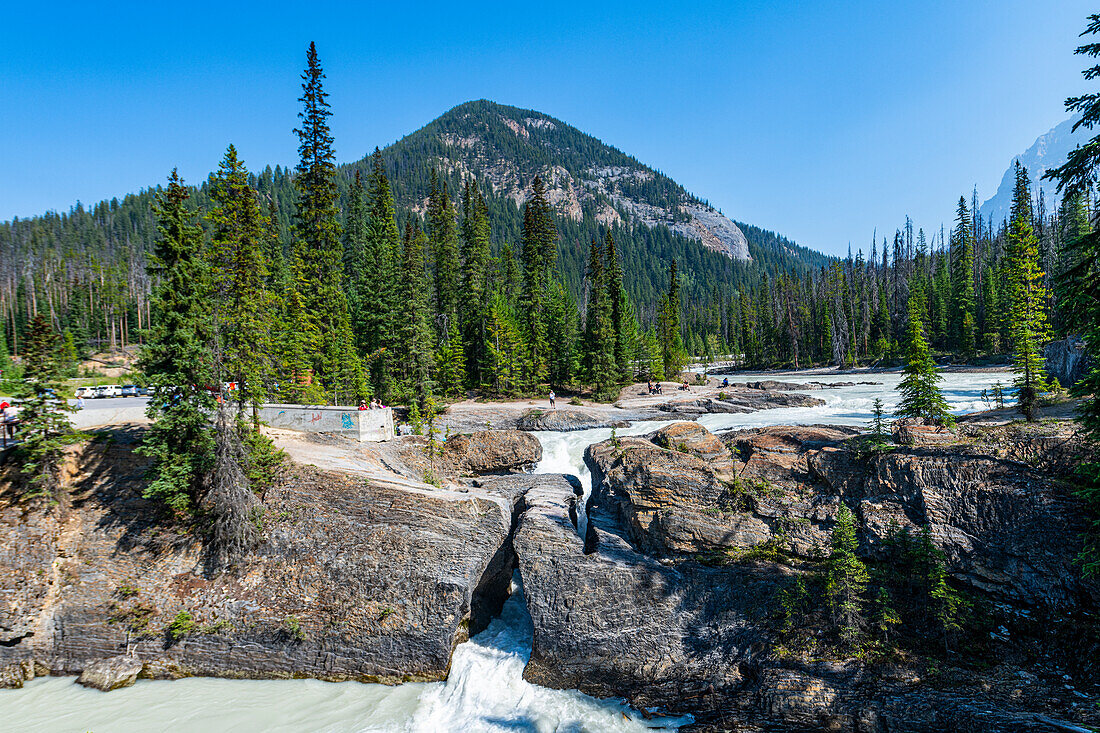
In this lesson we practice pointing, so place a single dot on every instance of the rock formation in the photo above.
(353, 580)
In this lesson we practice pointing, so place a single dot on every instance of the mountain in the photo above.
(507, 147)
(1048, 151)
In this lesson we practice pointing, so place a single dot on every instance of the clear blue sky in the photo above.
(820, 120)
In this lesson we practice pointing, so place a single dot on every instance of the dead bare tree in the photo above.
(231, 501)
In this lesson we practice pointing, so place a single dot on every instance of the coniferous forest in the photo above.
(397, 279)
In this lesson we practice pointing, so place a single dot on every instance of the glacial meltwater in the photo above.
(485, 690)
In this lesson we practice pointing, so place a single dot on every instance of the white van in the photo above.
(108, 390)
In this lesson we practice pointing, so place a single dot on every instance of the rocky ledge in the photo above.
(741, 401)
(352, 580)
(677, 598)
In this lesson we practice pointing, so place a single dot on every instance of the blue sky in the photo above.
(820, 120)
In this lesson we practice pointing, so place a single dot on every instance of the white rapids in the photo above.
(485, 691)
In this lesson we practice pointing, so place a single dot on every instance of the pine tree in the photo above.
(846, 578)
(962, 277)
(443, 241)
(879, 433)
(177, 359)
(476, 255)
(539, 254)
(383, 312)
(43, 419)
(242, 316)
(318, 249)
(451, 368)
(413, 353)
(673, 355)
(921, 396)
(562, 331)
(1029, 300)
(599, 334)
(624, 323)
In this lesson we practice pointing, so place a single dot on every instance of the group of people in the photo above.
(375, 404)
(9, 421)
(654, 388)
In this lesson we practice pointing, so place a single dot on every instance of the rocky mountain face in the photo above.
(507, 147)
(1048, 151)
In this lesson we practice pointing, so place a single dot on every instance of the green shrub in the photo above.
(182, 625)
(294, 627)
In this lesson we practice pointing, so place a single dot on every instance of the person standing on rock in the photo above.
(552, 396)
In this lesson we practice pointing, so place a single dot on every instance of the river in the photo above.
(485, 690)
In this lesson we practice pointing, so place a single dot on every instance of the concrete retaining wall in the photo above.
(362, 425)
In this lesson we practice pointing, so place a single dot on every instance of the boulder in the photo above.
(111, 674)
(671, 500)
(492, 451)
(918, 433)
(1066, 360)
(563, 420)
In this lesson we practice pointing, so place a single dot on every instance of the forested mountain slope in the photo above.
(87, 267)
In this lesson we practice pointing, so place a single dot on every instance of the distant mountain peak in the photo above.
(509, 146)
(1048, 151)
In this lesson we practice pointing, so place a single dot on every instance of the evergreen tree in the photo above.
(177, 359)
(413, 353)
(624, 323)
(562, 331)
(846, 578)
(242, 316)
(599, 334)
(1029, 300)
(318, 249)
(921, 396)
(673, 355)
(443, 240)
(539, 254)
(962, 277)
(451, 367)
(879, 433)
(43, 419)
(476, 255)
(383, 312)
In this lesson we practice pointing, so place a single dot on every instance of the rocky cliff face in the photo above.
(351, 581)
(648, 614)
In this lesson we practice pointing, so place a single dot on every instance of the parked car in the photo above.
(108, 390)
(84, 392)
(143, 391)
(129, 390)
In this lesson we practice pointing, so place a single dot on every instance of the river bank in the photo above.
(500, 679)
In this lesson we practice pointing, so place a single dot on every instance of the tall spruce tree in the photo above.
(624, 322)
(413, 353)
(962, 278)
(673, 354)
(1029, 327)
(318, 251)
(920, 393)
(476, 255)
(443, 241)
(599, 330)
(242, 314)
(177, 359)
(540, 238)
(383, 312)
